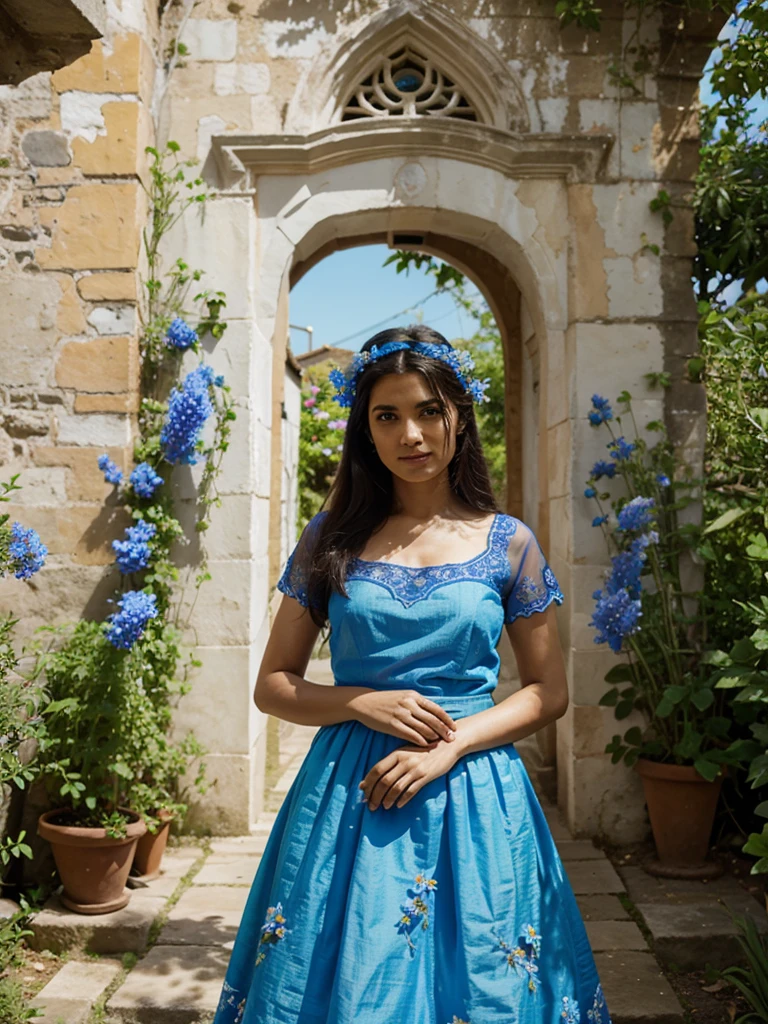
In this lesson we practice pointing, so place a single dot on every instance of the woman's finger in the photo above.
(396, 790)
(436, 725)
(438, 712)
(382, 786)
(410, 792)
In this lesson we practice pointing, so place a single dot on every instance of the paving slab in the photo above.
(692, 934)
(644, 888)
(593, 876)
(608, 936)
(579, 849)
(70, 994)
(244, 845)
(171, 985)
(63, 1011)
(164, 887)
(601, 907)
(206, 915)
(228, 869)
(636, 990)
(121, 931)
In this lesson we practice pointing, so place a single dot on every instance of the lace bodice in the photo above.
(429, 626)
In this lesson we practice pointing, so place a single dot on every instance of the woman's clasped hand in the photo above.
(410, 716)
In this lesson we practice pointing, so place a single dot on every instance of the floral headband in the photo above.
(460, 362)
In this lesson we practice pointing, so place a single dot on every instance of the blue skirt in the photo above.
(453, 909)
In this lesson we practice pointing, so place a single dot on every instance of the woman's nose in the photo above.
(411, 431)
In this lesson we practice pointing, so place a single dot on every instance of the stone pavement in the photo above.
(179, 980)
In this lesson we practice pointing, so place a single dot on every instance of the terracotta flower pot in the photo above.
(150, 849)
(93, 867)
(681, 806)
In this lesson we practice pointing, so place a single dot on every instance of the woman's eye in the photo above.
(432, 408)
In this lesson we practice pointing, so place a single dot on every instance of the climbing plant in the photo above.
(115, 682)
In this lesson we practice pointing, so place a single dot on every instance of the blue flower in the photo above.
(145, 480)
(603, 411)
(27, 551)
(615, 617)
(218, 380)
(590, 492)
(599, 519)
(603, 468)
(662, 479)
(189, 406)
(326, 451)
(625, 574)
(124, 628)
(134, 553)
(621, 449)
(180, 334)
(112, 474)
(636, 514)
(570, 1013)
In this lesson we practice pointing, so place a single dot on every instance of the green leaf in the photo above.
(619, 674)
(726, 519)
(702, 699)
(707, 769)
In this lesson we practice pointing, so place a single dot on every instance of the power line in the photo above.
(381, 323)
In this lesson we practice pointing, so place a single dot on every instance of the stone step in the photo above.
(70, 994)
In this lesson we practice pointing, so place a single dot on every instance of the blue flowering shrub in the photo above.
(640, 609)
(114, 683)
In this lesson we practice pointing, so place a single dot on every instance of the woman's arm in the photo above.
(281, 689)
(543, 694)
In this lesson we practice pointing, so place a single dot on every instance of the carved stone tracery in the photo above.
(408, 84)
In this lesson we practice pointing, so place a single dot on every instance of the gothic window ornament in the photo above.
(408, 84)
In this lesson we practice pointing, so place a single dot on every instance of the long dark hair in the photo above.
(361, 496)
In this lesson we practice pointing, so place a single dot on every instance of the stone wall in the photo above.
(554, 181)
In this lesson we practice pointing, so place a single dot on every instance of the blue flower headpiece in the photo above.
(460, 362)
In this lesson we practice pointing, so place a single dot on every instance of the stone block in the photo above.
(120, 931)
(31, 98)
(634, 286)
(93, 429)
(610, 936)
(85, 481)
(28, 336)
(70, 318)
(97, 364)
(218, 715)
(639, 121)
(207, 39)
(46, 149)
(113, 319)
(41, 486)
(579, 849)
(223, 611)
(601, 907)
(119, 150)
(82, 531)
(635, 989)
(228, 869)
(224, 809)
(78, 981)
(587, 876)
(251, 844)
(693, 934)
(128, 402)
(126, 67)
(62, 1011)
(26, 423)
(172, 984)
(206, 915)
(109, 287)
(230, 78)
(97, 226)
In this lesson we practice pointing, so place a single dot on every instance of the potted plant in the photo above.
(684, 746)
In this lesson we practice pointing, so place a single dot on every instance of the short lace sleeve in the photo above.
(532, 585)
(295, 576)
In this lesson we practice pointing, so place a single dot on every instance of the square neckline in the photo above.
(442, 565)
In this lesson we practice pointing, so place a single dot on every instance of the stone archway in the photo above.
(503, 212)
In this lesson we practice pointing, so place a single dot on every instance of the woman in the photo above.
(410, 875)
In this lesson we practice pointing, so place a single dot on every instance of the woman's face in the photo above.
(404, 420)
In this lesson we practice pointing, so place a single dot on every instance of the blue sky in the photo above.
(350, 295)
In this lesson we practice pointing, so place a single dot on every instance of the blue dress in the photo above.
(455, 908)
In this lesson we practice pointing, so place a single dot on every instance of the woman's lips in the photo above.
(416, 458)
